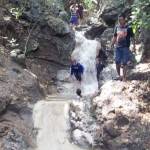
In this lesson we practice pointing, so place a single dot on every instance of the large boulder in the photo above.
(106, 37)
(43, 47)
(18, 86)
(19, 90)
(58, 26)
(105, 41)
(95, 31)
(64, 16)
(56, 43)
(110, 14)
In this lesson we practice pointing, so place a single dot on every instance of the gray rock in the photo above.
(105, 41)
(19, 89)
(4, 102)
(122, 121)
(34, 45)
(37, 9)
(111, 130)
(58, 26)
(18, 51)
(19, 84)
(110, 13)
(95, 31)
(82, 138)
(18, 58)
(64, 16)
(14, 141)
(13, 54)
(21, 59)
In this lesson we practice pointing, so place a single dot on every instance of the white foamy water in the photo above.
(51, 117)
(85, 53)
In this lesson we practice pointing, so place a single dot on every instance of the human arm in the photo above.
(114, 39)
(71, 71)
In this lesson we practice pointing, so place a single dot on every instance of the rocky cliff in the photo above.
(34, 44)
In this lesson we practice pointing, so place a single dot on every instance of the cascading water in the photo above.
(50, 116)
(85, 53)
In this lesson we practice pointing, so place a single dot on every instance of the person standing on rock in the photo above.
(122, 35)
(74, 15)
(77, 70)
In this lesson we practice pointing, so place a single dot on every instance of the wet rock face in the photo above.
(117, 118)
(43, 48)
(14, 140)
(55, 46)
(19, 89)
(110, 14)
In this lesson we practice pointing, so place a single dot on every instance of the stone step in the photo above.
(52, 120)
(59, 98)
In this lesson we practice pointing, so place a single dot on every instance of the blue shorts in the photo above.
(74, 20)
(122, 55)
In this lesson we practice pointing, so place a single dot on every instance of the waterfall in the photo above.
(50, 117)
(85, 53)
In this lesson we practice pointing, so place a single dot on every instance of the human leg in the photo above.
(126, 59)
(118, 57)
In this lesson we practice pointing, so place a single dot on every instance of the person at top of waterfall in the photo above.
(121, 39)
(100, 60)
(74, 15)
(77, 70)
(80, 12)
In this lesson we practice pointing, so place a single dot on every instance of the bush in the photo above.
(140, 14)
(89, 4)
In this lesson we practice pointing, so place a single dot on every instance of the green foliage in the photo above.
(17, 12)
(141, 14)
(89, 4)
